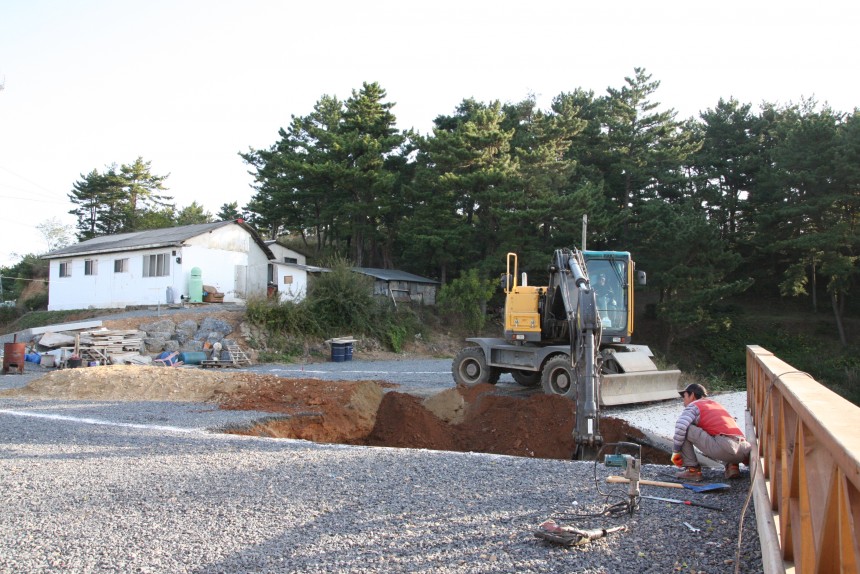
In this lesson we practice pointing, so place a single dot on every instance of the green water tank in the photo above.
(195, 286)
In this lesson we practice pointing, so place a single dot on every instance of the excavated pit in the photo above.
(477, 419)
(372, 413)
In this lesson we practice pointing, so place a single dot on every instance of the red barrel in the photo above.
(13, 354)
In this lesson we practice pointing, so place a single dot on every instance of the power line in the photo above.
(52, 193)
(46, 200)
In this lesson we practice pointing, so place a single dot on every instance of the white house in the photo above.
(288, 272)
(154, 266)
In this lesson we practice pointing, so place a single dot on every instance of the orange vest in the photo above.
(715, 420)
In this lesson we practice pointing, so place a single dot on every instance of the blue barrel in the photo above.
(338, 352)
(193, 357)
(347, 352)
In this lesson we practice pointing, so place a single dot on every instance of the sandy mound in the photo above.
(132, 383)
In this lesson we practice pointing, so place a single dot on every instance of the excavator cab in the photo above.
(611, 274)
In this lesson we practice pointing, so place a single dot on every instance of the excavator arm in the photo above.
(575, 296)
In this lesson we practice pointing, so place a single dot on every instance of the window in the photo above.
(90, 266)
(288, 279)
(290, 260)
(156, 265)
(65, 269)
(120, 265)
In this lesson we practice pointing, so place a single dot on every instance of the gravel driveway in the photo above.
(145, 487)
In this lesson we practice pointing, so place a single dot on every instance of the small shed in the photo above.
(288, 273)
(401, 286)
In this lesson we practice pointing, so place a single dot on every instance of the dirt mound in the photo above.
(132, 383)
(321, 411)
(476, 419)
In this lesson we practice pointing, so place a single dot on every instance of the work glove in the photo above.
(677, 459)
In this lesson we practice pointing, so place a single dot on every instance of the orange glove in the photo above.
(677, 460)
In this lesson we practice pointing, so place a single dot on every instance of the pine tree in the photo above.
(120, 201)
(727, 165)
(647, 148)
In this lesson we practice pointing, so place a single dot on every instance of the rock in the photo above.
(213, 325)
(154, 344)
(171, 345)
(159, 335)
(185, 331)
(449, 405)
(192, 346)
(160, 326)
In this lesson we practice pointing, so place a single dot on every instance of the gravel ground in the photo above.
(148, 487)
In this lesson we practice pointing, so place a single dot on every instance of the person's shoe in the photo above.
(733, 471)
(693, 473)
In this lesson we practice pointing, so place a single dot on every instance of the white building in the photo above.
(154, 266)
(288, 272)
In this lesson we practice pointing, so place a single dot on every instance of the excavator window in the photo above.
(607, 277)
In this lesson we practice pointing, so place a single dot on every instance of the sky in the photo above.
(189, 84)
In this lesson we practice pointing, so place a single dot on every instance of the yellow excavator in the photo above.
(573, 338)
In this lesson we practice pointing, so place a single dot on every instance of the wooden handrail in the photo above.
(808, 440)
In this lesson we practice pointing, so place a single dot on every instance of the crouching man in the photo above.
(708, 426)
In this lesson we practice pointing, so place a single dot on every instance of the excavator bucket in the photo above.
(638, 380)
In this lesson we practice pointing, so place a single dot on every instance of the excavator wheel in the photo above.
(558, 378)
(470, 368)
(526, 378)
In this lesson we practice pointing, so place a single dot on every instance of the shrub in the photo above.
(466, 298)
(287, 317)
(342, 301)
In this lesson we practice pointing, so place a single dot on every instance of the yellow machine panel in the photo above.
(521, 310)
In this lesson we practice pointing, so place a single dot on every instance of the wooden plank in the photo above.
(78, 326)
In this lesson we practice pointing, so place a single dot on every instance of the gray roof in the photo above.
(150, 239)
(393, 275)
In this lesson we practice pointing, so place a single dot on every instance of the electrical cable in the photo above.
(616, 509)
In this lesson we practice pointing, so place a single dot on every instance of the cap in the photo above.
(695, 389)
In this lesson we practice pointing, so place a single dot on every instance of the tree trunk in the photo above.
(670, 338)
(814, 289)
(834, 301)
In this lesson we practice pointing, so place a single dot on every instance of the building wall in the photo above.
(292, 282)
(228, 257)
(422, 293)
(109, 289)
(281, 253)
(230, 261)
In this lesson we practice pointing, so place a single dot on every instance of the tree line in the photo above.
(736, 199)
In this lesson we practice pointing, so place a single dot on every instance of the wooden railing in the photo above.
(806, 475)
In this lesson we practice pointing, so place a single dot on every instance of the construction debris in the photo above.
(571, 536)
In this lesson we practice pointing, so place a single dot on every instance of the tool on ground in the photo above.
(632, 470)
(572, 536)
(687, 502)
(707, 487)
(692, 528)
